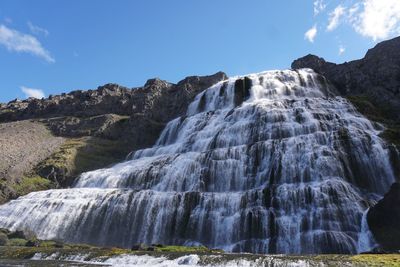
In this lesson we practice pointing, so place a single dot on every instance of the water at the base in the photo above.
(189, 260)
(268, 163)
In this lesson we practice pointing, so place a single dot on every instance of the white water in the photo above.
(288, 169)
(186, 260)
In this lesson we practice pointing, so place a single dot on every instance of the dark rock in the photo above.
(5, 231)
(151, 248)
(33, 243)
(3, 239)
(138, 247)
(16, 234)
(376, 76)
(384, 219)
(242, 90)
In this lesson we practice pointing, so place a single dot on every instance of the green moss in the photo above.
(29, 184)
(390, 260)
(48, 244)
(17, 242)
(79, 155)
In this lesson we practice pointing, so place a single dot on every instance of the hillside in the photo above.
(51, 141)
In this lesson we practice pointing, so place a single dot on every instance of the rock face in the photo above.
(376, 76)
(384, 219)
(100, 127)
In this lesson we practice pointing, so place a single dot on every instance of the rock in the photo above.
(111, 117)
(17, 234)
(139, 247)
(3, 239)
(384, 219)
(376, 76)
(33, 243)
(111, 99)
(4, 231)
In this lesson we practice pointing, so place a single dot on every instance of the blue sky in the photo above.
(50, 47)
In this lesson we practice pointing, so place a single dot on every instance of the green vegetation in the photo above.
(374, 260)
(29, 184)
(79, 155)
(17, 242)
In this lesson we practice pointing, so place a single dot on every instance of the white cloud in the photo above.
(319, 6)
(378, 19)
(37, 30)
(31, 92)
(311, 33)
(342, 49)
(334, 17)
(16, 41)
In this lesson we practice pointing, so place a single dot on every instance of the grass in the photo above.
(17, 242)
(375, 260)
(29, 184)
(78, 155)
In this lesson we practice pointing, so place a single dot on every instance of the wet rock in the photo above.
(16, 234)
(138, 247)
(3, 239)
(384, 219)
(242, 90)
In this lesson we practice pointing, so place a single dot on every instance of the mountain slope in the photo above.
(100, 127)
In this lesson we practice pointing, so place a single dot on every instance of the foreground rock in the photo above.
(384, 219)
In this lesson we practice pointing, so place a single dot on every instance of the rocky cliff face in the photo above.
(100, 127)
(376, 76)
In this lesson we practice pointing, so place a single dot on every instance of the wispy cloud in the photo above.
(334, 17)
(378, 19)
(342, 49)
(375, 19)
(319, 6)
(32, 92)
(16, 41)
(311, 33)
(37, 30)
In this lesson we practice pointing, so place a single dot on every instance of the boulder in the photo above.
(384, 219)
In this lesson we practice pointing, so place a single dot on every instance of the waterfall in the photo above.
(267, 163)
(366, 241)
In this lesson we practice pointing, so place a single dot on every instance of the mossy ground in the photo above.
(375, 260)
(78, 155)
(29, 184)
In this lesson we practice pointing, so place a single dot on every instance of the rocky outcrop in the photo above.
(384, 219)
(376, 76)
(170, 100)
(99, 127)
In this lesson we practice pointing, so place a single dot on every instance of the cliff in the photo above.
(57, 138)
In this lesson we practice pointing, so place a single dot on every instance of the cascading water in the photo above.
(269, 163)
